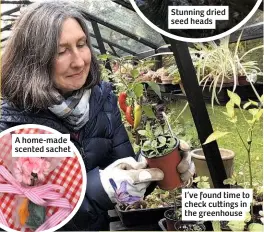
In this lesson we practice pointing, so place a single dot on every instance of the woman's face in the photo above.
(72, 63)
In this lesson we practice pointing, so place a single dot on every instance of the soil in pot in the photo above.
(189, 226)
(168, 164)
(201, 165)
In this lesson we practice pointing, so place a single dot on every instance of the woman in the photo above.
(50, 77)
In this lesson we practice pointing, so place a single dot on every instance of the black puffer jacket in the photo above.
(101, 141)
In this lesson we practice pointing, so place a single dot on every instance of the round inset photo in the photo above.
(39, 192)
(195, 20)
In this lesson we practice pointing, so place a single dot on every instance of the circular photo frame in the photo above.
(60, 188)
(195, 20)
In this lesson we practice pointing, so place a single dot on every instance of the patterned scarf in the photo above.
(74, 110)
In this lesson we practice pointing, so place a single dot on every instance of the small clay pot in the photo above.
(201, 165)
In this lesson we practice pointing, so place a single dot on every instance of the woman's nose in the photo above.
(77, 60)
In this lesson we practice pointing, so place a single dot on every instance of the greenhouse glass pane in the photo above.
(257, 18)
(120, 39)
(108, 49)
(122, 17)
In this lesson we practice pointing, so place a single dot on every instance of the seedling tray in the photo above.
(140, 216)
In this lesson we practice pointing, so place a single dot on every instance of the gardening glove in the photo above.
(186, 167)
(126, 180)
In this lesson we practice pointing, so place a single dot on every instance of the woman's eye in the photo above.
(80, 45)
(62, 52)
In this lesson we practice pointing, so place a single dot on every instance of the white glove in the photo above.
(186, 166)
(128, 177)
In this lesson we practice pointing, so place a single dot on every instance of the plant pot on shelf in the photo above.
(189, 226)
(222, 96)
(166, 79)
(170, 219)
(201, 165)
(168, 164)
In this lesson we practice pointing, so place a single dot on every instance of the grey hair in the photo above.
(27, 61)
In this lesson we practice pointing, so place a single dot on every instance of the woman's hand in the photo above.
(135, 174)
(186, 166)
(138, 177)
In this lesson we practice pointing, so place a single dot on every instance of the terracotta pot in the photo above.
(201, 165)
(166, 80)
(168, 164)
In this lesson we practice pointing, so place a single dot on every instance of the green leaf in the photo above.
(154, 144)
(148, 127)
(203, 185)
(236, 225)
(253, 102)
(234, 98)
(230, 109)
(233, 120)
(258, 115)
(134, 73)
(256, 227)
(204, 178)
(172, 142)
(230, 181)
(197, 179)
(253, 111)
(214, 136)
(146, 146)
(148, 111)
(138, 90)
(216, 225)
(142, 132)
(136, 148)
(246, 105)
(103, 57)
(158, 131)
(155, 87)
(247, 217)
(162, 139)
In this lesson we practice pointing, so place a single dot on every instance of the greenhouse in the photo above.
(195, 106)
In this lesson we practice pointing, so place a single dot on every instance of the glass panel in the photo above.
(119, 39)
(119, 16)
(256, 18)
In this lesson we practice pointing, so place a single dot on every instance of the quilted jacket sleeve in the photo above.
(121, 145)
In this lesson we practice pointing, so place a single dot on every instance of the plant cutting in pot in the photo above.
(174, 214)
(160, 148)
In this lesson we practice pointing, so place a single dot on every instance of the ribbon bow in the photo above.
(44, 195)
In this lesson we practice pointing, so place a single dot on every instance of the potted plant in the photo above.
(174, 214)
(160, 148)
(220, 66)
(145, 211)
(201, 165)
